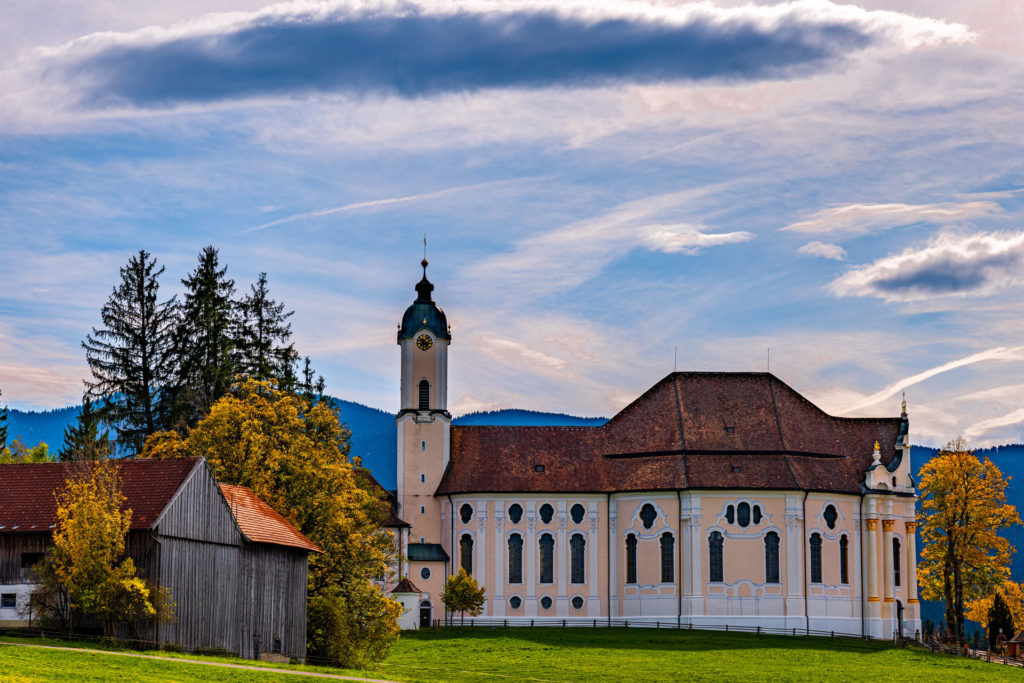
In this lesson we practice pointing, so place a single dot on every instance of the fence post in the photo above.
(794, 631)
(531, 623)
(563, 623)
(691, 625)
(833, 635)
(657, 625)
(627, 623)
(759, 629)
(727, 625)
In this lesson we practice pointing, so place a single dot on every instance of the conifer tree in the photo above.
(130, 356)
(84, 440)
(263, 349)
(1000, 620)
(204, 347)
(3, 426)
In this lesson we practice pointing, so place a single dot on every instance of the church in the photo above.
(714, 498)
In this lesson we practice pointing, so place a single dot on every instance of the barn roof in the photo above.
(690, 430)
(28, 501)
(260, 523)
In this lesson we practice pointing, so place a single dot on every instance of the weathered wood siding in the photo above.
(11, 548)
(203, 579)
(199, 512)
(273, 600)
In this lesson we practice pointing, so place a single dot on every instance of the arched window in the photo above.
(631, 559)
(547, 558)
(466, 513)
(647, 515)
(730, 514)
(815, 558)
(668, 558)
(515, 512)
(546, 513)
(743, 514)
(844, 553)
(830, 516)
(771, 557)
(715, 560)
(576, 548)
(466, 552)
(515, 558)
(424, 395)
(577, 512)
(896, 561)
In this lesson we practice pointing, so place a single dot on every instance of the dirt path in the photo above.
(290, 672)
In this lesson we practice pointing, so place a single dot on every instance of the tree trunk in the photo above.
(959, 603)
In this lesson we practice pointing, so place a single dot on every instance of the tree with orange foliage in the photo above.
(963, 506)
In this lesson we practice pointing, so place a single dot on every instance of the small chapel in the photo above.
(714, 498)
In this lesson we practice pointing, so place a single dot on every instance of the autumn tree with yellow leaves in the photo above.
(293, 453)
(963, 506)
(86, 571)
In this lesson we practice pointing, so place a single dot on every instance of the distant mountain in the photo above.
(46, 426)
(527, 418)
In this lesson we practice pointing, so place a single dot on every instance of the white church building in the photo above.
(714, 498)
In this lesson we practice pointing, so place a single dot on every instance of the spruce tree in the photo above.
(1000, 620)
(262, 334)
(204, 344)
(84, 440)
(3, 426)
(130, 356)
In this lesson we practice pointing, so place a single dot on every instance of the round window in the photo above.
(576, 512)
(647, 515)
(466, 513)
(515, 601)
(425, 573)
(577, 602)
(515, 512)
(545, 602)
(546, 513)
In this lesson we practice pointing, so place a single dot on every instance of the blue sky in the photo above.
(600, 183)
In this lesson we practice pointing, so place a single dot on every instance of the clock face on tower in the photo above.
(424, 342)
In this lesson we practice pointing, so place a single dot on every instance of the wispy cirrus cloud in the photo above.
(859, 219)
(829, 251)
(417, 49)
(950, 264)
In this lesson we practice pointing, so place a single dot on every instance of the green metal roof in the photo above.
(427, 552)
(424, 314)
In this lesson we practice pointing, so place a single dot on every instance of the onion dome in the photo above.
(424, 314)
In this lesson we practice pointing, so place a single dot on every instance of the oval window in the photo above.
(425, 573)
(647, 515)
(730, 514)
(515, 512)
(577, 602)
(577, 511)
(545, 602)
(757, 514)
(831, 516)
(743, 514)
(546, 513)
(515, 601)
(466, 513)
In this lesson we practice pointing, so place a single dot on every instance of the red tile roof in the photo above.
(690, 430)
(260, 523)
(28, 500)
(388, 518)
(406, 586)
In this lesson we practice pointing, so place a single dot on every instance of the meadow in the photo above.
(547, 654)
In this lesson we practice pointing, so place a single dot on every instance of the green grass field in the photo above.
(545, 654)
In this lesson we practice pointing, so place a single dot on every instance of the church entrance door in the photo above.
(426, 612)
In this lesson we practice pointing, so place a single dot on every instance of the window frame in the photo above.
(577, 559)
(466, 558)
(631, 543)
(546, 558)
(515, 558)
(844, 559)
(716, 557)
(424, 395)
(815, 557)
(667, 549)
(772, 573)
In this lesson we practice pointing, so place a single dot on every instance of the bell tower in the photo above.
(423, 433)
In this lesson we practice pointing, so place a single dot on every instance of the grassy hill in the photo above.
(553, 654)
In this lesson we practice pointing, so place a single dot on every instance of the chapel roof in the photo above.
(691, 430)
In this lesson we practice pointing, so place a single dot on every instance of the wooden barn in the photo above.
(236, 570)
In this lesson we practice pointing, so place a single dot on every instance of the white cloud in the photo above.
(829, 251)
(950, 264)
(687, 238)
(858, 219)
(1012, 419)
